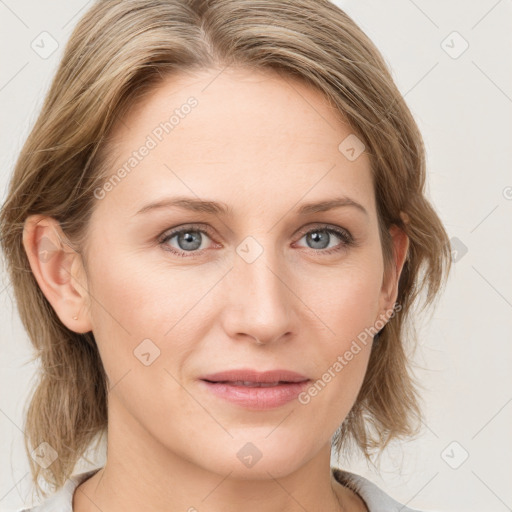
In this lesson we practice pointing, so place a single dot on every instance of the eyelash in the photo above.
(344, 235)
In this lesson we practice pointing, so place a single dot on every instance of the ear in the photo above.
(400, 247)
(58, 270)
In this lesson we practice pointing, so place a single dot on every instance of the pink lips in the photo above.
(256, 390)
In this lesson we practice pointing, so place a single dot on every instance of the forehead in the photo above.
(236, 135)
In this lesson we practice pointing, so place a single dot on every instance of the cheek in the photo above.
(132, 311)
(146, 313)
(348, 305)
(140, 299)
(346, 299)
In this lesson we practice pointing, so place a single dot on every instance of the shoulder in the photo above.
(375, 498)
(62, 499)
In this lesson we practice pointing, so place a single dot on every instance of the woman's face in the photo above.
(249, 280)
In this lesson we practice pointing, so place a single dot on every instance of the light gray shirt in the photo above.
(375, 498)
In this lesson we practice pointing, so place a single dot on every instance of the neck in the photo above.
(142, 474)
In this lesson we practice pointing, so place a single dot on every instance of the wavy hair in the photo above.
(121, 49)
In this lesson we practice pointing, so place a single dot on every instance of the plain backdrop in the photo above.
(451, 60)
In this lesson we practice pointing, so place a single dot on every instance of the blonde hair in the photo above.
(120, 50)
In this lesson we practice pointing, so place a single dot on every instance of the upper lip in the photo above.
(249, 375)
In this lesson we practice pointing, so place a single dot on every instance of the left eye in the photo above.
(190, 240)
(322, 236)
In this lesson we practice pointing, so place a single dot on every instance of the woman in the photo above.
(215, 232)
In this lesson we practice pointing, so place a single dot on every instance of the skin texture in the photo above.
(264, 145)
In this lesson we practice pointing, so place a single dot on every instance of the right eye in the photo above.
(188, 241)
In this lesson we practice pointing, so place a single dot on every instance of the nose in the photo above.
(259, 305)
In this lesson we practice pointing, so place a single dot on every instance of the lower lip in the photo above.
(257, 397)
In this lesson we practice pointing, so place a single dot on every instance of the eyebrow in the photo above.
(219, 208)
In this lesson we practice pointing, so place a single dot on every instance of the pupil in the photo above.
(321, 238)
(191, 240)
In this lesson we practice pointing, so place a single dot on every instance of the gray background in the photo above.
(463, 105)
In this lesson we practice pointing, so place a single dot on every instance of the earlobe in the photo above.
(56, 267)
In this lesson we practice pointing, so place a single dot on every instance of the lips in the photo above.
(253, 378)
(255, 390)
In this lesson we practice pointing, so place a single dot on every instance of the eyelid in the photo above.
(163, 238)
(184, 227)
(205, 228)
(346, 237)
(326, 227)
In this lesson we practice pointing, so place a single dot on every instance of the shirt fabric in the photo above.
(376, 499)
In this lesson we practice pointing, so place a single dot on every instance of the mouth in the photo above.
(250, 384)
(248, 376)
(255, 390)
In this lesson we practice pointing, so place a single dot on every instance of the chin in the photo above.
(258, 459)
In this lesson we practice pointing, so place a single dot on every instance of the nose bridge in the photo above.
(259, 299)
